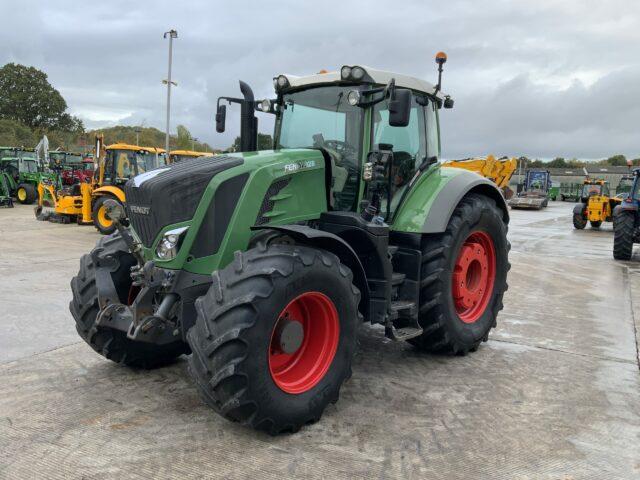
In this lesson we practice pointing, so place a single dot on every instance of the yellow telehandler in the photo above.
(498, 170)
(596, 204)
(83, 202)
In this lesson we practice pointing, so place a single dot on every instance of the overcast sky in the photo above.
(540, 78)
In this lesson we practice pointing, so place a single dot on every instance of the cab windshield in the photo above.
(30, 166)
(323, 118)
(589, 190)
(133, 162)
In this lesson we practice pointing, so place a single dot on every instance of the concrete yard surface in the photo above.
(554, 394)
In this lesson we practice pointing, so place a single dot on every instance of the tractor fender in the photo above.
(110, 190)
(334, 244)
(446, 199)
(625, 207)
(579, 209)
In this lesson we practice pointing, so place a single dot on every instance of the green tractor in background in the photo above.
(263, 265)
(22, 172)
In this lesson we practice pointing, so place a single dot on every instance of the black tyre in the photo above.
(26, 193)
(464, 277)
(623, 234)
(269, 301)
(104, 224)
(110, 343)
(580, 220)
(595, 224)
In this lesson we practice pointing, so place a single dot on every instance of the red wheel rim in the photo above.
(299, 371)
(473, 277)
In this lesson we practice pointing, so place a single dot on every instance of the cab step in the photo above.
(404, 333)
(397, 278)
(405, 308)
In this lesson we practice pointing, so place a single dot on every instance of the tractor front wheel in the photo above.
(275, 336)
(26, 193)
(596, 224)
(464, 276)
(104, 224)
(108, 342)
(623, 234)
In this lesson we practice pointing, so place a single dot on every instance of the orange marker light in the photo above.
(441, 57)
(323, 71)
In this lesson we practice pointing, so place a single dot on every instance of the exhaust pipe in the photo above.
(248, 120)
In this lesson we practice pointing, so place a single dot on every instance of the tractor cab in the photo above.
(123, 161)
(18, 161)
(624, 186)
(592, 188)
(371, 126)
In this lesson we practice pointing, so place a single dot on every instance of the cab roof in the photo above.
(372, 76)
(191, 153)
(126, 146)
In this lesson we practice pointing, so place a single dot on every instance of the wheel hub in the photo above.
(289, 335)
(473, 276)
(303, 342)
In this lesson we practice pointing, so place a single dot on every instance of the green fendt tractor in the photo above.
(22, 173)
(263, 265)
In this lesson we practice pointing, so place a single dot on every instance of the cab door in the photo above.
(409, 147)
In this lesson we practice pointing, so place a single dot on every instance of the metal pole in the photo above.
(172, 34)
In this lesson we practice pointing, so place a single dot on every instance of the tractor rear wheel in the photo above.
(104, 224)
(580, 220)
(464, 276)
(623, 234)
(596, 224)
(26, 193)
(108, 342)
(275, 336)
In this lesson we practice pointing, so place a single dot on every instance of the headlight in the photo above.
(169, 244)
(345, 72)
(357, 73)
(353, 97)
(265, 105)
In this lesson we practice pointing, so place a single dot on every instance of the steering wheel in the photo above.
(340, 147)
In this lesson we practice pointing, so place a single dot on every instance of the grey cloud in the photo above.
(540, 78)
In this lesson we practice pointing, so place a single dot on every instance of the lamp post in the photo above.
(193, 143)
(171, 34)
(137, 130)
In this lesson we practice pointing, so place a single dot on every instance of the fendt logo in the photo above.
(292, 167)
(139, 209)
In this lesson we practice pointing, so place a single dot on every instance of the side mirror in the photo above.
(399, 107)
(221, 117)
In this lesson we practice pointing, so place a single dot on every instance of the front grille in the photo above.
(172, 195)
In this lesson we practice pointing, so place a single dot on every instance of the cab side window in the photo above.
(409, 143)
(108, 168)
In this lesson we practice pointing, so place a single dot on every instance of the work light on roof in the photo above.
(345, 72)
(280, 82)
(357, 73)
